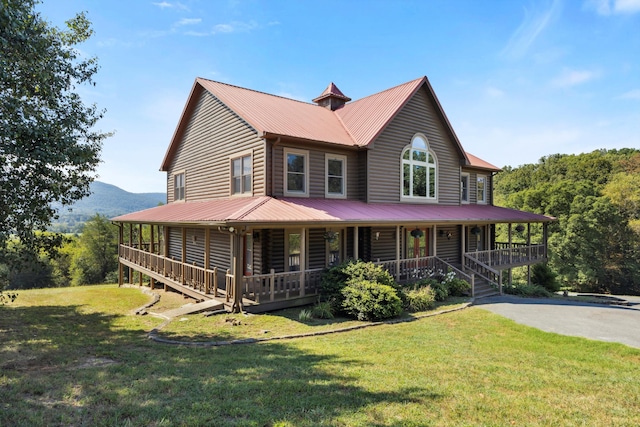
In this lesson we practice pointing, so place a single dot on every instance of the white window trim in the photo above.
(483, 178)
(231, 159)
(343, 159)
(173, 185)
(286, 191)
(418, 199)
(468, 176)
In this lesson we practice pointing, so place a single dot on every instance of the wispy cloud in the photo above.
(187, 21)
(568, 77)
(167, 5)
(494, 92)
(534, 23)
(632, 94)
(610, 7)
(234, 27)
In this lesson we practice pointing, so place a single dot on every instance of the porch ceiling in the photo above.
(261, 210)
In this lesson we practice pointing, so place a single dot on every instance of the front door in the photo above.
(418, 243)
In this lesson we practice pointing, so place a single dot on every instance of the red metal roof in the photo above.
(477, 162)
(332, 90)
(298, 210)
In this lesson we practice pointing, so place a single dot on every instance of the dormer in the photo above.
(332, 98)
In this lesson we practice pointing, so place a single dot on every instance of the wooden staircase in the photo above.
(484, 289)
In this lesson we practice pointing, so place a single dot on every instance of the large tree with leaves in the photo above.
(49, 148)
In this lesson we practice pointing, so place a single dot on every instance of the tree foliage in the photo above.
(97, 253)
(49, 149)
(595, 244)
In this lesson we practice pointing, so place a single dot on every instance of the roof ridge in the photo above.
(258, 91)
(388, 89)
(246, 210)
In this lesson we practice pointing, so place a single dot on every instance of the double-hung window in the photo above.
(178, 186)
(296, 165)
(419, 171)
(464, 188)
(481, 189)
(241, 175)
(335, 183)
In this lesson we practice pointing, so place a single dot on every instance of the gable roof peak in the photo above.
(332, 98)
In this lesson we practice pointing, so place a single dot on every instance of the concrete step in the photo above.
(208, 305)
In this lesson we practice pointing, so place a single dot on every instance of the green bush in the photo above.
(524, 290)
(323, 310)
(336, 278)
(420, 299)
(367, 300)
(305, 315)
(440, 290)
(543, 275)
(458, 287)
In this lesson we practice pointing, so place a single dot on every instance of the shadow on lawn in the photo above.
(45, 379)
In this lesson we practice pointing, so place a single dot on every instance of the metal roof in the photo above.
(477, 162)
(268, 210)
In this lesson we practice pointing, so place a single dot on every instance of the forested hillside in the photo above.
(595, 244)
(105, 199)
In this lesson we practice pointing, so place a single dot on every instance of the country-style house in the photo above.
(265, 192)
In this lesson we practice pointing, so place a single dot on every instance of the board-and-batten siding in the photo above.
(213, 136)
(384, 162)
(317, 170)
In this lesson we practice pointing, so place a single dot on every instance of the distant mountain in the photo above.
(105, 199)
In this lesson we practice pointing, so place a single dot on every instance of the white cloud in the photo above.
(534, 23)
(570, 78)
(608, 7)
(234, 27)
(494, 92)
(167, 5)
(187, 21)
(632, 94)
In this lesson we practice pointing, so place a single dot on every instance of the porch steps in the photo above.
(208, 305)
(483, 289)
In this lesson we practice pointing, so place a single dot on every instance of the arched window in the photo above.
(419, 170)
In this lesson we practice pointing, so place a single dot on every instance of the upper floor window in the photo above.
(241, 175)
(464, 188)
(481, 189)
(419, 170)
(297, 172)
(178, 186)
(336, 167)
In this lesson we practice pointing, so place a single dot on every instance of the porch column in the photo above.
(355, 242)
(130, 278)
(236, 238)
(140, 247)
(397, 253)
(434, 243)
(545, 238)
(183, 256)
(120, 267)
(207, 237)
(463, 242)
(152, 281)
(528, 253)
(510, 256)
(303, 258)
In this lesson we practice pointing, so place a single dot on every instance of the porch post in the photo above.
(207, 281)
(510, 256)
(120, 267)
(355, 242)
(397, 253)
(237, 272)
(183, 256)
(152, 281)
(545, 238)
(435, 240)
(528, 253)
(303, 258)
(140, 247)
(130, 278)
(463, 242)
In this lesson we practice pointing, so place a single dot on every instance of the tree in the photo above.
(49, 149)
(97, 253)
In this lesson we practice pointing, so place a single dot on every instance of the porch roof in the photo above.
(270, 211)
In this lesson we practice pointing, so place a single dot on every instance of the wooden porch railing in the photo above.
(514, 255)
(277, 286)
(407, 270)
(492, 276)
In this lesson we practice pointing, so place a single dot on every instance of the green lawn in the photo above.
(77, 356)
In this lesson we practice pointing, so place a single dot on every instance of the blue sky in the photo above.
(518, 80)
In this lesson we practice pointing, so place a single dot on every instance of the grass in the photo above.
(77, 356)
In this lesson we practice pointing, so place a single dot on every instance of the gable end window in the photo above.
(464, 188)
(241, 175)
(481, 189)
(296, 165)
(178, 186)
(336, 172)
(419, 170)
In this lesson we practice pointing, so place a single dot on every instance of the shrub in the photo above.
(305, 315)
(543, 275)
(525, 290)
(336, 278)
(440, 290)
(458, 287)
(323, 310)
(420, 299)
(368, 300)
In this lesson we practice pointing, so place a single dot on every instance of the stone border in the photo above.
(153, 335)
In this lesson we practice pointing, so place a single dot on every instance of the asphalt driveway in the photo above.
(602, 322)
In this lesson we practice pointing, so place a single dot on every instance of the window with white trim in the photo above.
(419, 170)
(178, 186)
(241, 175)
(481, 189)
(296, 164)
(336, 173)
(464, 188)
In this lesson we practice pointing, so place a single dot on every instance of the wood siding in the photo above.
(317, 249)
(448, 249)
(384, 248)
(473, 185)
(317, 169)
(384, 162)
(212, 137)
